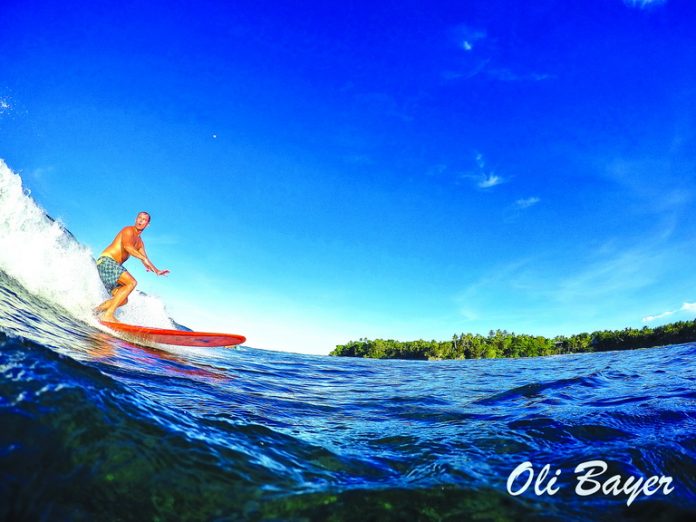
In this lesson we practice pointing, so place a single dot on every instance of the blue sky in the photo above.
(318, 173)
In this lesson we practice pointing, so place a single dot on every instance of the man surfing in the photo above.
(115, 277)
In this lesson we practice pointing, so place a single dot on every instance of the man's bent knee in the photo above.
(127, 281)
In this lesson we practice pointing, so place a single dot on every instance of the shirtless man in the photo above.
(115, 277)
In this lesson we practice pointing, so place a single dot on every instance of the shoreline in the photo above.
(501, 344)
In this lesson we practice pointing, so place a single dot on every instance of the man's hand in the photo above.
(151, 268)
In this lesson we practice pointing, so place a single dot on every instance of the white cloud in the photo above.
(686, 307)
(489, 180)
(651, 318)
(643, 4)
(527, 202)
(485, 178)
(467, 37)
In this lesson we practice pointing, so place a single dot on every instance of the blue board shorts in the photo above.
(109, 272)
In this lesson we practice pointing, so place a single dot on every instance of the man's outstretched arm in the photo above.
(148, 264)
(128, 242)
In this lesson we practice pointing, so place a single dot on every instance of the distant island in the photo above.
(501, 343)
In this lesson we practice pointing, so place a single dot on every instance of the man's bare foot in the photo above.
(102, 307)
(108, 318)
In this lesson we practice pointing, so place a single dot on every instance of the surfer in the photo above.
(115, 277)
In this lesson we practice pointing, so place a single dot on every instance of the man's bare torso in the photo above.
(116, 249)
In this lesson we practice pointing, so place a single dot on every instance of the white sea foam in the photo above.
(39, 253)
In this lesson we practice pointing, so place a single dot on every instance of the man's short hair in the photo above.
(147, 214)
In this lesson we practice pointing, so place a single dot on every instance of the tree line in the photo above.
(501, 343)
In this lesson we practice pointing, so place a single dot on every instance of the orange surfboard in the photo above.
(176, 337)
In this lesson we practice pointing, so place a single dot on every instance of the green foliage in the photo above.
(501, 343)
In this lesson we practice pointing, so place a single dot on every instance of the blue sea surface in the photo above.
(95, 428)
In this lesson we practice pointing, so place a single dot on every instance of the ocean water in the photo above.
(95, 428)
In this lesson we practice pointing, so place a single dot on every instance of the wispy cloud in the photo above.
(484, 299)
(468, 37)
(485, 178)
(478, 54)
(467, 72)
(650, 318)
(4, 106)
(527, 202)
(587, 286)
(616, 274)
(507, 75)
(643, 4)
(685, 308)
(592, 285)
(658, 184)
(497, 275)
(483, 66)
(489, 180)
